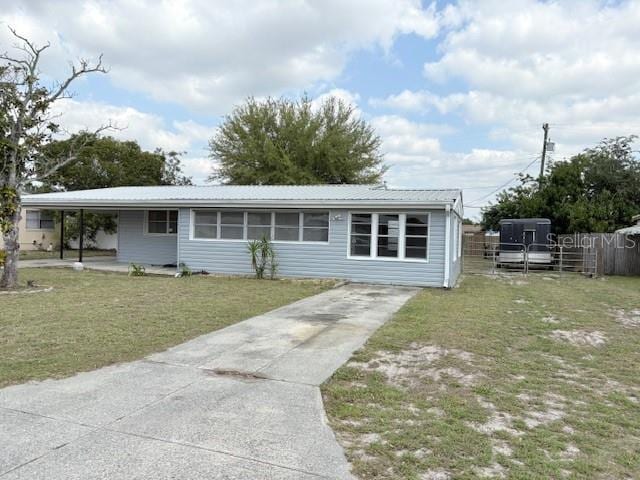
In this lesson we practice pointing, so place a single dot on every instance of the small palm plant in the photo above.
(263, 257)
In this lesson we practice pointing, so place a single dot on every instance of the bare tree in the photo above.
(26, 127)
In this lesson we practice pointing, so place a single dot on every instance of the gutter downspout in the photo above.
(178, 238)
(447, 260)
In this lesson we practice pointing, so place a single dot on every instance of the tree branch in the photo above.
(75, 73)
(32, 50)
(83, 139)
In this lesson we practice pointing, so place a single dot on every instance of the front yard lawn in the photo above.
(92, 319)
(506, 377)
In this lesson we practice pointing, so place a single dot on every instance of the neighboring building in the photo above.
(362, 233)
(633, 229)
(38, 230)
(470, 229)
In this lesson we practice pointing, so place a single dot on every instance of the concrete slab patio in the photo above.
(99, 263)
(239, 403)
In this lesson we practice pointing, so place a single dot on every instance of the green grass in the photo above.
(483, 355)
(41, 254)
(92, 319)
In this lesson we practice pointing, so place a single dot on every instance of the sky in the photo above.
(458, 91)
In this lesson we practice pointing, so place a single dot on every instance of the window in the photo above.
(402, 236)
(162, 222)
(39, 220)
(232, 225)
(205, 224)
(361, 234)
(238, 225)
(258, 225)
(315, 227)
(287, 226)
(388, 235)
(416, 234)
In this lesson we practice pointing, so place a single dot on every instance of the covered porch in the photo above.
(144, 237)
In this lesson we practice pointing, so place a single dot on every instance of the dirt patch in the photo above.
(550, 319)
(435, 475)
(554, 409)
(414, 367)
(628, 318)
(583, 338)
(570, 452)
(26, 291)
(236, 374)
(494, 470)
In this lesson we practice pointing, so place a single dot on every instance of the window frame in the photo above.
(245, 225)
(167, 221)
(373, 247)
(302, 227)
(40, 227)
(192, 224)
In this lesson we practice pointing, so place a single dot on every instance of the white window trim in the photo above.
(373, 251)
(166, 234)
(39, 229)
(244, 238)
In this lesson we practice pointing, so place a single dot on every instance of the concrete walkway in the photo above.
(100, 263)
(239, 403)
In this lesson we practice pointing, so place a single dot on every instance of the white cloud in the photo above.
(417, 159)
(574, 64)
(542, 49)
(149, 130)
(209, 55)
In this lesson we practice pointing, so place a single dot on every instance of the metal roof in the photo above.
(633, 230)
(240, 195)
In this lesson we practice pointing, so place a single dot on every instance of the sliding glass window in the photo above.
(258, 225)
(416, 235)
(205, 224)
(361, 234)
(287, 226)
(232, 225)
(388, 235)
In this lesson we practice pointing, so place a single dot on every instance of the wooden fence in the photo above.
(616, 254)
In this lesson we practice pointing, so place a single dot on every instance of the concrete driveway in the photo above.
(239, 403)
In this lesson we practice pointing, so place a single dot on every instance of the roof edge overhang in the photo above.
(146, 204)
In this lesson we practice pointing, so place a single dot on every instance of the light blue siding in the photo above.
(317, 260)
(136, 246)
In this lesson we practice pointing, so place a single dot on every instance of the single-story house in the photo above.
(362, 233)
(38, 230)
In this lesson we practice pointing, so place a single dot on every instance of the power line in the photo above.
(504, 184)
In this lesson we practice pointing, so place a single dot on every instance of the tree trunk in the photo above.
(12, 248)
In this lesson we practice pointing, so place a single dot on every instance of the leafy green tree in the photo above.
(104, 162)
(597, 190)
(284, 142)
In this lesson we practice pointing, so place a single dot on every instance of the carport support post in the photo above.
(81, 239)
(61, 234)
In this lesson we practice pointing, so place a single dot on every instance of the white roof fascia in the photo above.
(145, 204)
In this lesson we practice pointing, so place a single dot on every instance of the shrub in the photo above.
(184, 271)
(263, 258)
(137, 270)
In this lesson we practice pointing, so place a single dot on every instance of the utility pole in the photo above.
(545, 127)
